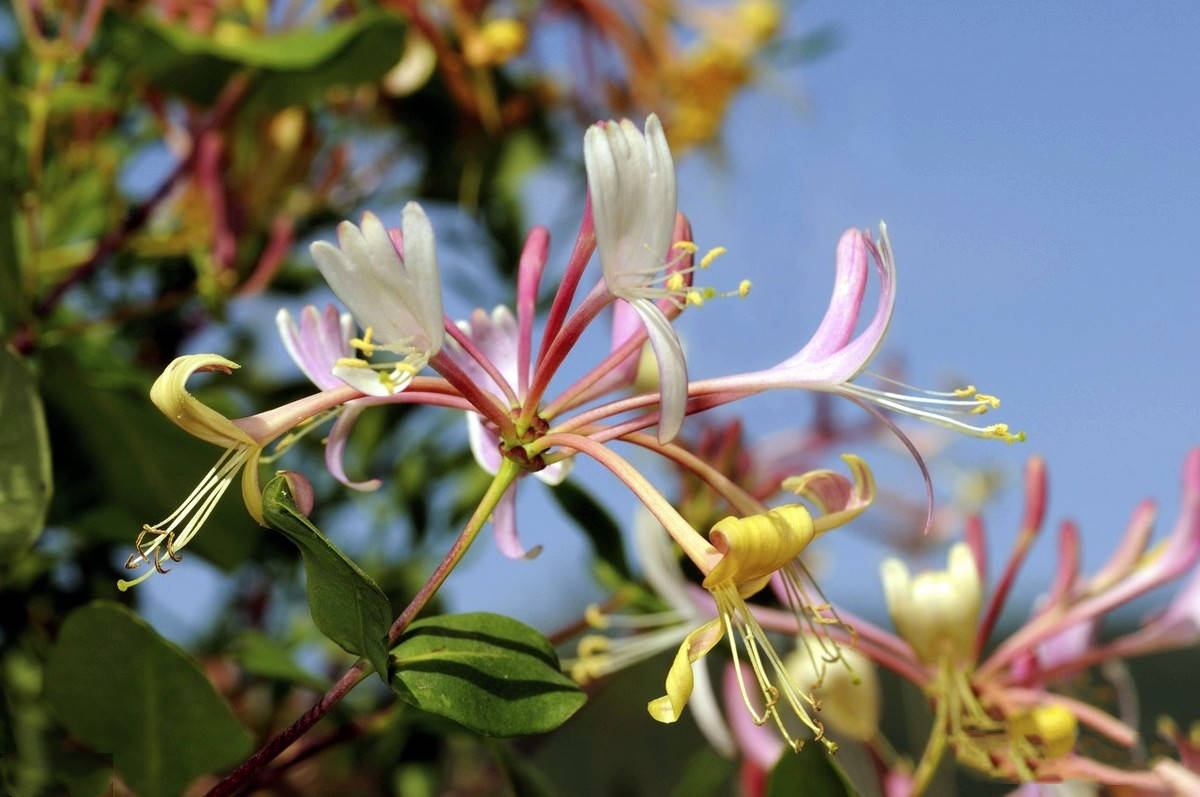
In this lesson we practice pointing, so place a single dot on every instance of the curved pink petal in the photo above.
(850, 283)
(504, 528)
(672, 368)
(335, 448)
(823, 365)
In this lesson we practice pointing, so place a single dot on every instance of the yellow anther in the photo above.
(963, 392)
(712, 255)
(685, 246)
(999, 431)
(695, 297)
(352, 362)
(743, 288)
(595, 617)
(364, 343)
(675, 282)
(710, 293)
(991, 401)
(592, 646)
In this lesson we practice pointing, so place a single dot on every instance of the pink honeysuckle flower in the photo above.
(833, 357)
(316, 345)
(496, 337)
(390, 284)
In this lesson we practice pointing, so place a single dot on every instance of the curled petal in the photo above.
(754, 547)
(371, 382)
(335, 447)
(850, 283)
(555, 473)
(169, 393)
(504, 528)
(839, 500)
(672, 369)
(680, 680)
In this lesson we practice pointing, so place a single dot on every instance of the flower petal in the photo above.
(839, 500)
(169, 394)
(672, 368)
(335, 447)
(485, 444)
(680, 680)
(371, 382)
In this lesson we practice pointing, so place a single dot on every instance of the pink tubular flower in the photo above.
(834, 356)
(496, 337)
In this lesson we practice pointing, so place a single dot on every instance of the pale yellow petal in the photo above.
(839, 500)
(756, 546)
(170, 395)
(669, 707)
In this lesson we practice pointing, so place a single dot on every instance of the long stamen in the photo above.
(191, 515)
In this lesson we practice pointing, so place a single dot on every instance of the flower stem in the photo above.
(241, 777)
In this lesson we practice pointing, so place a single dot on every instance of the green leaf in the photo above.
(265, 657)
(593, 519)
(491, 673)
(291, 67)
(811, 771)
(123, 689)
(25, 479)
(346, 605)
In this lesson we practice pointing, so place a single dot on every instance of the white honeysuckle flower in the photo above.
(936, 612)
(390, 284)
(631, 180)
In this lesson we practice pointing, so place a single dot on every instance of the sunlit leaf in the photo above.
(25, 478)
(123, 689)
(491, 673)
(346, 605)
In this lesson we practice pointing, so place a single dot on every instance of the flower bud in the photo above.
(937, 612)
(847, 690)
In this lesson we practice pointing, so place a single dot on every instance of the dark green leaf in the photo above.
(525, 779)
(491, 673)
(346, 605)
(262, 656)
(707, 774)
(25, 479)
(812, 771)
(123, 689)
(601, 530)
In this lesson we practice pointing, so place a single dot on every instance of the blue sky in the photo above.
(1039, 170)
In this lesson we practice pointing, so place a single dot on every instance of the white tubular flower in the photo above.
(937, 612)
(390, 284)
(631, 180)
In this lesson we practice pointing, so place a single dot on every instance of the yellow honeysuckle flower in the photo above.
(754, 549)
(242, 451)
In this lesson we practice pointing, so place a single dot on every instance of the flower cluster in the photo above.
(486, 367)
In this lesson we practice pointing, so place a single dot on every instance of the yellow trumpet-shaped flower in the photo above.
(754, 549)
(242, 451)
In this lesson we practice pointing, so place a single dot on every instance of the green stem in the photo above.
(509, 470)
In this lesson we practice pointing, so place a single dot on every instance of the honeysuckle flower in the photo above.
(997, 714)
(496, 337)
(171, 534)
(390, 285)
(631, 179)
(753, 551)
(834, 356)
(316, 345)
(938, 611)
